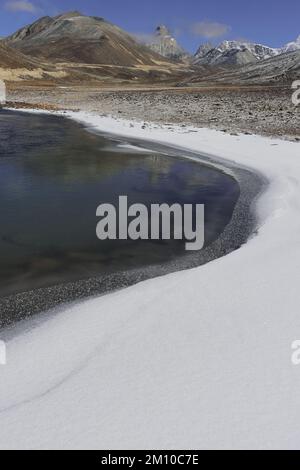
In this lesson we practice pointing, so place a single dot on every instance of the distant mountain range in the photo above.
(227, 53)
(86, 48)
(239, 52)
(278, 69)
(74, 37)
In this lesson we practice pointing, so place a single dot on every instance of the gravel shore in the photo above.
(265, 111)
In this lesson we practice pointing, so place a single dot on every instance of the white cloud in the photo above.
(209, 29)
(21, 5)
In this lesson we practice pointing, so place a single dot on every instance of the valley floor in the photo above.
(255, 110)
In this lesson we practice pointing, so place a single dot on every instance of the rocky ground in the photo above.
(266, 111)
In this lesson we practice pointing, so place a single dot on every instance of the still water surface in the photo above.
(54, 174)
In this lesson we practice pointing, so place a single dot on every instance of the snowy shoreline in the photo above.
(196, 359)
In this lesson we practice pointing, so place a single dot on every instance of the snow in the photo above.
(260, 51)
(292, 46)
(199, 359)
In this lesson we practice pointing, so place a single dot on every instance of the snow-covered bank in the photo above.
(197, 359)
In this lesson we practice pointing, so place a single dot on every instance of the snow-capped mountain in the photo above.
(259, 51)
(239, 52)
(281, 69)
(228, 52)
(292, 46)
(203, 50)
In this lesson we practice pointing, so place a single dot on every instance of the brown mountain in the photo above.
(13, 59)
(15, 66)
(73, 37)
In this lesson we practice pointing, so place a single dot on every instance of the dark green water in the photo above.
(53, 176)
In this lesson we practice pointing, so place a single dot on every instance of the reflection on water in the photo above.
(53, 176)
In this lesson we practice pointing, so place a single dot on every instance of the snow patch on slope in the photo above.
(245, 52)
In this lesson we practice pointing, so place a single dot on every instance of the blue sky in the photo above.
(272, 22)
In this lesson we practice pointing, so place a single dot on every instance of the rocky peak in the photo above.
(162, 31)
(68, 15)
(204, 49)
(166, 45)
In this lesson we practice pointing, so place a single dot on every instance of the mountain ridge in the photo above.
(88, 48)
(75, 37)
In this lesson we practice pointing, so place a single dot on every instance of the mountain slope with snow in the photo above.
(239, 53)
(280, 69)
(292, 46)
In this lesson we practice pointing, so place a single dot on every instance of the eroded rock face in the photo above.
(31, 30)
(166, 45)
